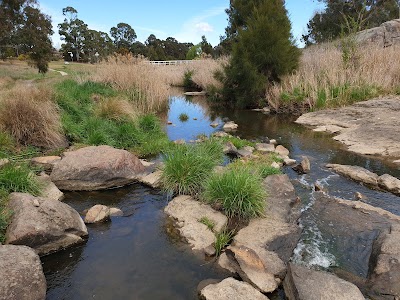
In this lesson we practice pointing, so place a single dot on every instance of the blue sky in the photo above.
(185, 20)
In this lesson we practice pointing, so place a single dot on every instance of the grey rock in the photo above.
(97, 214)
(356, 173)
(214, 124)
(388, 34)
(244, 153)
(229, 148)
(180, 142)
(3, 162)
(305, 284)
(289, 161)
(225, 263)
(389, 183)
(46, 228)
(368, 127)
(304, 167)
(251, 269)
(188, 212)
(49, 189)
(231, 289)
(265, 148)
(46, 162)
(21, 274)
(282, 150)
(230, 126)
(220, 134)
(96, 168)
(153, 179)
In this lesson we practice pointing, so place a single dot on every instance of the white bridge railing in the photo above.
(171, 62)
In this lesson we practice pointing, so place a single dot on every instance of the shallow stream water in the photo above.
(139, 256)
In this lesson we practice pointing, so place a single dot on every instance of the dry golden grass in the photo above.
(30, 116)
(323, 80)
(114, 109)
(146, 88)
(203, 72)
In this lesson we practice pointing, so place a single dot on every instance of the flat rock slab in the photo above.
(43, 224)
(389, 183)
(96, 168)
(368, 127)
(231, 289)
(305, 284)
(21, 274)
(265, 148)
(188, 213)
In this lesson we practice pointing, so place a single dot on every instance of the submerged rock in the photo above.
(43, 224)
(231, 289)
(188, 213)
(96, 168)
(97, 214)
(21, 274)
(302, 283)
(116, 212)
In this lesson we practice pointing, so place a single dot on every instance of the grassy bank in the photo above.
(323, 80)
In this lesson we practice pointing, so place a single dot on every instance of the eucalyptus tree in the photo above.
(26, 29)
(124, 36)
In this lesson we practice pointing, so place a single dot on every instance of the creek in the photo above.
(140, 256)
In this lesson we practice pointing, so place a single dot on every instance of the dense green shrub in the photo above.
(263, 53)
(238, 190)
(186, 167)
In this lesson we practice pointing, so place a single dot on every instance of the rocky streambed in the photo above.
(311, 243)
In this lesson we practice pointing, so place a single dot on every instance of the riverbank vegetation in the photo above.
(324, 81)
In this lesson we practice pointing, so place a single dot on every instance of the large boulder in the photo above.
(43, 224)
(356, 173)
(21, 274)
(231, 289)
(96, 168)
(188, 213)
(305, 284)
(387, 34)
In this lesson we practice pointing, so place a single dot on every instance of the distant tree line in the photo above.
(25, 32)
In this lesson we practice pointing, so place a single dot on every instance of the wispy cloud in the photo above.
(194, 28)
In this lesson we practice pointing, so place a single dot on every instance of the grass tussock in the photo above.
(145, 87)
(238, 190)
(186, 167)
(209, 223)
(324, 80)
(222, 240)
(31, 117)
(260, 164)
(114, 109)
(183, 117)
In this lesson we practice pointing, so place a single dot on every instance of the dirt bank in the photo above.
(371, 127)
